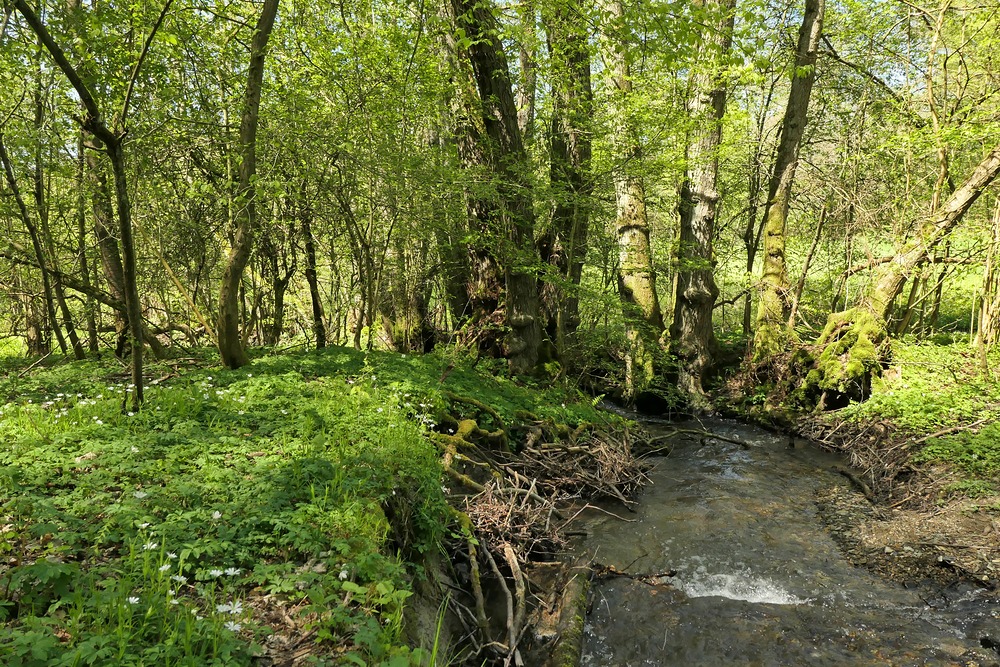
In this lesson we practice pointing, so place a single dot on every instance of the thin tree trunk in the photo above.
(94, 123)
(773, 334)
(801, 284)
(230, 344)
(90, 306)
(318, 324)
(691, 331)
(36, 243)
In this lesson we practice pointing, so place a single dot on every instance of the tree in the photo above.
(636, 275)
(691, 331)
(113, 143)
(563, 240)
(773, 334)
(230, 343)
(507, 211)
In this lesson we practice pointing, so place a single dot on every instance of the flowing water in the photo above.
(759, 580)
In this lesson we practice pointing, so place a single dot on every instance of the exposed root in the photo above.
(510, 514)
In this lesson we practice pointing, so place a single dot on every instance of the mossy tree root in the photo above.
(500, 437)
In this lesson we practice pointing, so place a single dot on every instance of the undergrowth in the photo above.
(930, 388)
(300, 489)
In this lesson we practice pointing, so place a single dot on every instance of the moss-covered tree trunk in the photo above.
(507, 212)
(636, 276)
(773, 333)
(854, 343)
(691, 332)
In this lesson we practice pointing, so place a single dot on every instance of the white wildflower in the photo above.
(133, 600)
(165, 567)
(140, 494)
(215, 573)
(232, 571)
(343, 574)
(149, 546)
(171, 555)
(179, 578)
(216, 515)
(232, 626)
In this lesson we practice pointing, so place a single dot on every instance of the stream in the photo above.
(759, 580)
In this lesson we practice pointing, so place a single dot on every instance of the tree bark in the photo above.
(691, 331)
(855, 342)
(94, 123)
(636, 276)
(230, 343)
(773, 334)
(511, 209)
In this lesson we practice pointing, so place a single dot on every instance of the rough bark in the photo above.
(563, 241)
(509, 210)
(773, 334)
(230, 343)
(691, 332)
(636, 276)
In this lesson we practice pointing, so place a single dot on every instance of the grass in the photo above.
(301, 487)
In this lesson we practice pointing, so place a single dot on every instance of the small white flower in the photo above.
(133, 600)
(149, 546)
(216, 515)
(179, 578)
(343, 574)
(174, 601)
(144, 525)
(379, 410)
(135, 450)
(131, 414)
(165, 567)
(234, 608)
(249, 375)
(232, 626)
(215, 573)
(284, 412)
(99, 422)
(140, 494)
(171, 555)
(232, 571)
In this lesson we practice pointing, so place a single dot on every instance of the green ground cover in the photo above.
(932, 387)
(302, 486)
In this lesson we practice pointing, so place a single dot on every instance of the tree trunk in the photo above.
(510, 209)
(318, 324)
(691, 331)
(90, 307)
(773, 334)
(230, 344)
(636, 276)
(36, 243)
(94, 123)
(563, 242)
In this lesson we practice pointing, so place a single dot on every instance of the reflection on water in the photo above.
(759, 581)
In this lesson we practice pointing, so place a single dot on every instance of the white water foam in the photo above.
(738, 587)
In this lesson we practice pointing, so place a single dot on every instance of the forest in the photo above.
(254, 248)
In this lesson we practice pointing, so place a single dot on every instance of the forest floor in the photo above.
(310, 508)
(925, 451)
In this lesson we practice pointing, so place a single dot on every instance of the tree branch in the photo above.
(139, 62)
